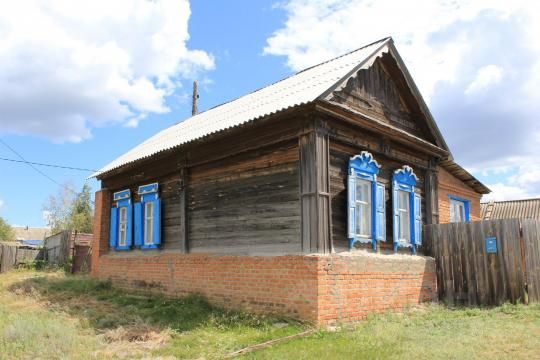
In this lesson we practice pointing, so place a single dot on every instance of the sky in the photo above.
(83, 82)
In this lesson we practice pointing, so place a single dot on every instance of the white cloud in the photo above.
(501, 192)
(1, 204)
(486, 77)
(477, 63)
(69, 66)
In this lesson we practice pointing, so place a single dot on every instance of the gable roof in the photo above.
(511, 209)
(304, 87)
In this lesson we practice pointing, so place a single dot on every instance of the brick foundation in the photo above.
(320, 289)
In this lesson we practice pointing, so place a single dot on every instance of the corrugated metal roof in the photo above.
(513, 209)
(301, 88)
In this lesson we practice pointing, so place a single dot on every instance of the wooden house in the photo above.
(305, 198)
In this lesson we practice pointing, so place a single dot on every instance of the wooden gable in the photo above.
(381, 91)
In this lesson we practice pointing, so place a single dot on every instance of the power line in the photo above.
(37, 170)
(49, 165)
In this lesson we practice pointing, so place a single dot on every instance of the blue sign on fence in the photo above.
(491, 245)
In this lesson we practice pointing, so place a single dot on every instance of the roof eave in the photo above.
(458, 171)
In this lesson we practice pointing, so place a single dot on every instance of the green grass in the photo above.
(435, 332)
(50, 315)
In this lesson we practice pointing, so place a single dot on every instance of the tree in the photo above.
(6, 231)
(69, 210)
(81, 214)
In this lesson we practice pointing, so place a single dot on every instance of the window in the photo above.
(407, 209)
(363, 208)
(459, 209)
(120, 236)
(366, 202)
(148, 217)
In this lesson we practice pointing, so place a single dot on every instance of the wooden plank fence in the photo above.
(531, 255)
(468, 274)
(12, 255)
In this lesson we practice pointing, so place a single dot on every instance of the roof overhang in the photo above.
(455, 169)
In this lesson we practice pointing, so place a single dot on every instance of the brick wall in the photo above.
(450, 185)
(351, 286)
(316, 288)
(100, 246)
(284, 284)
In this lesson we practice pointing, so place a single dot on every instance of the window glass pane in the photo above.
(363, 208)
(461, 211)
(457, 211)
(148, 223)
(404, 216)
(122, 226)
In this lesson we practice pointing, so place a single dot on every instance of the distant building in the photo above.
(32, 236)
(511, 209)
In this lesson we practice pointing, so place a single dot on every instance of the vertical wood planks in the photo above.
(315, 190)
(467, 274)
(531, 247)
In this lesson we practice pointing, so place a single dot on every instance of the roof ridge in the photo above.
(507, 201)
(287, 77)
(340, 56)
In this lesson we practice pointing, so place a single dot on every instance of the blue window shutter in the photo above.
(381, 213)
(351, 216)
(138, 224)
(395, 215)
(157, 222)
(129, 226)
(113, 234)
(417, 219)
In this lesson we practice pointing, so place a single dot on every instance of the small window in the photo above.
(148, 223)
(407, 210)
(122, 228)
(366, 220)
(148, 217)
(363, 208)
(404, 217)
(459, 210)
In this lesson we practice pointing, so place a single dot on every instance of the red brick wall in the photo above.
(351, 287)
(316, 288)
(283, 284)
(450, 185)
(100, 246)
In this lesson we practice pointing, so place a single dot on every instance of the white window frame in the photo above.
(459, 210)
(148, 223)
(364, 210)
(122, 226)
(404, 216)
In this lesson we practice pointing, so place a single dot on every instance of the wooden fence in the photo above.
(12, 255)
(486, 262)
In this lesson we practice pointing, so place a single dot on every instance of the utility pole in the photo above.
(194, 109)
